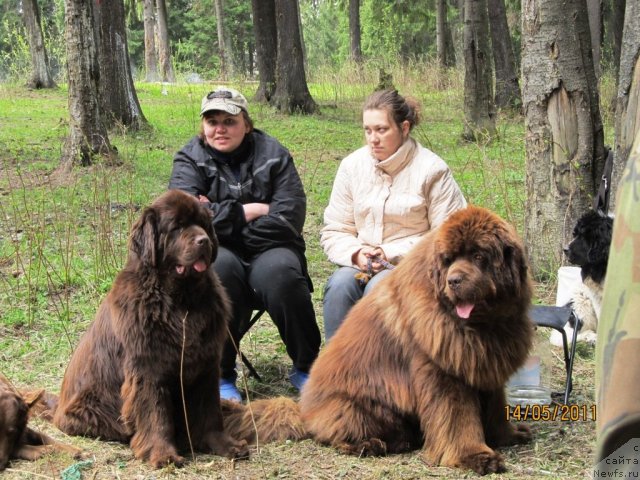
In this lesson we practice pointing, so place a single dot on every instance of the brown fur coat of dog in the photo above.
(152, 354)
(424, 358)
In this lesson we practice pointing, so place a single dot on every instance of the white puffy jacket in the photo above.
(389, 204)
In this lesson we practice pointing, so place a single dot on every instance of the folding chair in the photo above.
(557, 318)
(252, 371)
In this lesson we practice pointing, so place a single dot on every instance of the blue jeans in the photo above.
(341, 292)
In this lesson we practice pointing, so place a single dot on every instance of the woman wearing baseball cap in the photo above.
(249, 182)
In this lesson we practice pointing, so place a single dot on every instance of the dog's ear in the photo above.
(143, 241)
(600, 241)
(32, 397)
(515, 261)
(207, 224)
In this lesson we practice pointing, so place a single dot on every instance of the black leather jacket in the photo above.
(266, 175)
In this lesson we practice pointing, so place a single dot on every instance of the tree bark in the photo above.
(479, 110)
(507, 85)
(150, 54)
(117, 91)
(617, 26)
(594, 10)
(444, 43)
(563, 128)
(266, 35)
(292, 93)
(628, 98)
(224, 52)
(40, 73)
(354, 30)
(88, 134)
(164, 48)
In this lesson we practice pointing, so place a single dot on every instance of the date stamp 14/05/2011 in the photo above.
(551, 413)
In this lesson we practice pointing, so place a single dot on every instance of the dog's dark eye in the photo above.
(478, 258)
(446, 260)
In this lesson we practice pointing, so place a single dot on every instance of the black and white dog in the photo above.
(589, 249)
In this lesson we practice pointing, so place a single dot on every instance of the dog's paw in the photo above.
(162, 457)
(589, 336)
(521, 434)
(220, 443)
(239, 450)
(484, 462)
(374, 447)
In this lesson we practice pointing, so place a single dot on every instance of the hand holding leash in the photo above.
(375, 262)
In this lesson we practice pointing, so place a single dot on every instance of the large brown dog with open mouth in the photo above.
(151, 357)
(423, 359)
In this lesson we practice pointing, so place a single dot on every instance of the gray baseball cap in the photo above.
(224, 99)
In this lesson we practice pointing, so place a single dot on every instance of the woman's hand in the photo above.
(251, 210)
(255, 210)
(361, 258)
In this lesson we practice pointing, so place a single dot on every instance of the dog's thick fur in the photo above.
(423, 359)
(589, 249)
(155, 343)
(264, 421)
(17, 440)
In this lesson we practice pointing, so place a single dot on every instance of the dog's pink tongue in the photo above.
(200, 266)
(464, 310)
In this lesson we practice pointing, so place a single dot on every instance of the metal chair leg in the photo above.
(556, 318)
(252, 371)
(574, 341)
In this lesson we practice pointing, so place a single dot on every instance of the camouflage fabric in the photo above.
(618, 345)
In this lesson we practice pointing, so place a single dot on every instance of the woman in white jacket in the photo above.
(385, 197)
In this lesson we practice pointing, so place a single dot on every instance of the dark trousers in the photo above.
(273, 280)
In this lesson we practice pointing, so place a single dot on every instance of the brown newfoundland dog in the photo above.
(150, 359)
(423, 359)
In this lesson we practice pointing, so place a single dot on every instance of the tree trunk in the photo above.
(563, 128)
(292, 93)
(507, 85)
(150, 54)
(303, 46)
(164, 48)
(224, 51)
(628, 99)
(617, 26)
(40, 73)
(354, 30)
(594, 9)
(444, 43)
(88, 134)
(117, 91)
(479, 110)
(449, 43)
(266, 35)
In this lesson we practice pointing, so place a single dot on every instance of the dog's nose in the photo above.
(454, 281)
(566, 251)
(201, 240)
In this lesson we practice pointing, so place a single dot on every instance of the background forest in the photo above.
(392, 31)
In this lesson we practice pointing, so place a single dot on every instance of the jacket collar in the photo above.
(399, 159)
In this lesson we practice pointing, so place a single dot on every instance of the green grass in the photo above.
(63, 238)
